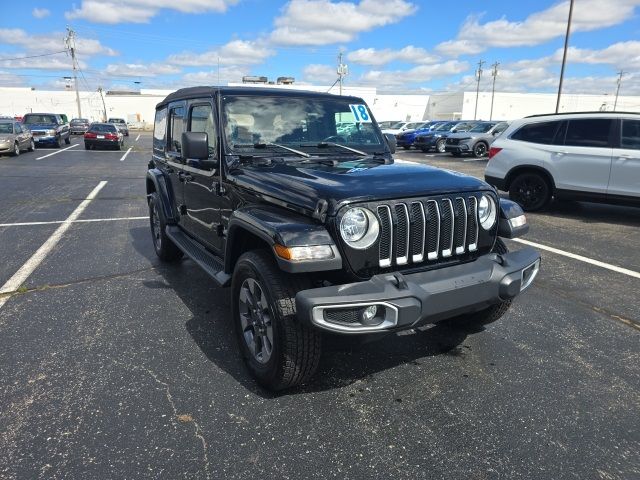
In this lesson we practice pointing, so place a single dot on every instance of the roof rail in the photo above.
(598, 112)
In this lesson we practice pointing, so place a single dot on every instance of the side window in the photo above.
(501, 127)
(201, 120)
(160, 129)
(539, 132)
(176, 127)
(630, 134)
(589, 132)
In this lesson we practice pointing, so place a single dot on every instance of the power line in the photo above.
(32, 56)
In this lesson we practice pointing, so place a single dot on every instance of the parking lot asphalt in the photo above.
(113, 365)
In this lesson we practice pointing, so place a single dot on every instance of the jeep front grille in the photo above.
(411, 232)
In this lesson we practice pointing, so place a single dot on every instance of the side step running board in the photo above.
(209, 262)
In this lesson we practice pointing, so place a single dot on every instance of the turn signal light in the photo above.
(301, 254)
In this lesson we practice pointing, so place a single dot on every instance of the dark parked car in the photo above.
(475, 141)
(317, 232)
(79, 126)
(121, 124)
(103, 135)
(14, 138)
(436, 138)
(405, 139)
(47, 128)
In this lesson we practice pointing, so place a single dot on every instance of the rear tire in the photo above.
(87, 146)
(425, 150)
(162, 244)
(406, 147)
(531, 191)
(456, 154)
(279, 350)
(492, 313)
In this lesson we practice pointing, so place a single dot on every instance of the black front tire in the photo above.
(492, 313)
(59, 142)
(456, 154)
(531, 191)
(425, 150)
(440, 146)
(67, 140)
(296, 347)
(480, 150)
(166, 250)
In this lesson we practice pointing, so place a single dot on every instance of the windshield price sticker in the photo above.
(360, 113)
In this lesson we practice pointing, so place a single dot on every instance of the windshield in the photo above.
(31, 119)
(6, 128)
(482, 128)
(301, 123)
(445, 126)
(397, 125)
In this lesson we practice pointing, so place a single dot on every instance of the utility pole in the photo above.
(564, 54)
(70, 42)
(615, 104)
(479, 75)
(104, 106)
(343, 70)
(494, 74)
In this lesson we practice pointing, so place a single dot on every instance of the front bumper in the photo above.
(428, 142)
(407, 301)
(460, 148)
(45, 139)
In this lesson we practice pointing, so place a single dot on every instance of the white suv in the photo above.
(588, 156)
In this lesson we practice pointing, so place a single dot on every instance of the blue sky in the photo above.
(394, 45)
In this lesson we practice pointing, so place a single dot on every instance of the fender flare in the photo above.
(165, 192)
(278, 226)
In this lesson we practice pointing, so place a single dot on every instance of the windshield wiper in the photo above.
(333, 144)
(270, 144)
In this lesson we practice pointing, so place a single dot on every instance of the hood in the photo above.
(465, 135)
(41, 126)
(302, 185)
(6, 136)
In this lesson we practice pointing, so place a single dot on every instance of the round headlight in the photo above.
(487, 212)
(359, 228)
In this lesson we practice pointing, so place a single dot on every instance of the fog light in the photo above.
(368, 314)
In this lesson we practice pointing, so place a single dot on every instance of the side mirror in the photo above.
(391, 142)
(195, 145)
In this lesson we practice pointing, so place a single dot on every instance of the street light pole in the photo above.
(615, 104)
(564, 54)
(479, 74)
(494, 74)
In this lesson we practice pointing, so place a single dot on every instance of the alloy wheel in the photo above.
(440, 146)
(480, 150)
(255, 320)
(531, 192)
(156, 229)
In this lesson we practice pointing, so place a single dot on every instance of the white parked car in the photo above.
(402, 126)
(591, 156)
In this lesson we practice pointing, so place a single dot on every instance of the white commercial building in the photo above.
(139, 107)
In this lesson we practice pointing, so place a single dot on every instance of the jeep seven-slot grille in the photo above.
(411, 232)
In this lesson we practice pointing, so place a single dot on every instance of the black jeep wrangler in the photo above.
(293, 199)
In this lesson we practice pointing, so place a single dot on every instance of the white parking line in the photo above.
(591, 261)
(84, 220)
(57, 151)
(18, 278)
(474, 160)
(125, 155)
(138, 137)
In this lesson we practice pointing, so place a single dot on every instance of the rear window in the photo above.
(630, 134)
(539, 132)
(589, 132)
(103, 128)
(32, 119)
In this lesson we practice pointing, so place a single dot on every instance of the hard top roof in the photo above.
(209, 91)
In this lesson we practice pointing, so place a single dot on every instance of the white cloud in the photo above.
(319, 74)
(40, 12)
(140, 69)
(408, 54)
(413, 76)
(537, 28)
(141, 11)
(54, 62)
(52, 42)
(323, 22)
(226, 75)
(236, 52)
(8, 79)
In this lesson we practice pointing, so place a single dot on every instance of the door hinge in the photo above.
(183, 209)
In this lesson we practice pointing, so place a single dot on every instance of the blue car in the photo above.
(405, 139)
(435, 139)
